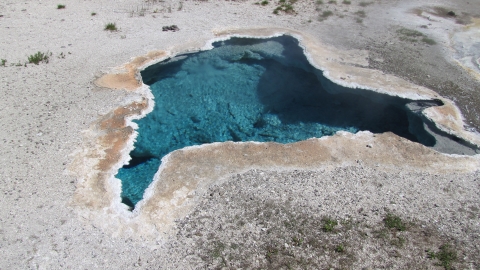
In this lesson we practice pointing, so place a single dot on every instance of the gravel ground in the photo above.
(257, 219)
(273, 220)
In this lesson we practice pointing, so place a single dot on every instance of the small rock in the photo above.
(173, 28)
(369, 146)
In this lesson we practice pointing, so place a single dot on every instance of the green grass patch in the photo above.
(38, 57)
(340, 249)
(364, 4)
(61, 6)
(411, 35)
(446, 256)
(329, 224)
(333, 2)
(264, 3)
(93, 13)
(394, 222)
(3, 63)
(409, 32)
(285, 6)
(429, 41)
(327, 14)
(110, 27)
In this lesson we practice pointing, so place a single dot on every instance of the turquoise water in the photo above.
(252, 90)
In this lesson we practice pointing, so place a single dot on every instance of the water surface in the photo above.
(260, 90)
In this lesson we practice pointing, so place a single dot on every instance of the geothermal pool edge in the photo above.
(108, 143)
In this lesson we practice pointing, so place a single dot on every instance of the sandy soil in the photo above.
(47, 109)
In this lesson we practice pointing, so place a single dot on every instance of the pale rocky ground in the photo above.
(45, 108)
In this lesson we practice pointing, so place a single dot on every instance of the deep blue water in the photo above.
(252, 90)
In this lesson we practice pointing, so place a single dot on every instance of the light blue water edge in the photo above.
(263, 90)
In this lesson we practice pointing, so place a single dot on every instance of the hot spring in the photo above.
(263, 90)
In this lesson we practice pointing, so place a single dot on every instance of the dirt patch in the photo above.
(274, 225)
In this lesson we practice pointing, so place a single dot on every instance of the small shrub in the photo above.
(332, 2)
(93, 13)
(346, 2)
(319, 2)
(364, 4)
(394, 222)
(339, 248)
(38, 57)
(297, 241)
(285, 6)
(264, 3)
(446, 255)
(327, 13)
(110, 27)
(329, 224)
(4, 62)
(288, 8)
(60, 6)
(429, 41)
(409, 32)
(361, 14)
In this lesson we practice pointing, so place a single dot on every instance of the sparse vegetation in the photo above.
(332, 2)
(285, 6)
(413, 35)
(39, 57)
(141, 10)
(264, 3)
(364, 4)
(325, 14)
(247, 230)
(93, 13)
(110, 27)
(329, 224)
(429, 41)
(339, 248)
(409, 32)
(446, 256)
(3, 63)
(346, 2)
(394, 222)
(319, 2)
(60, 6)
(361, 14)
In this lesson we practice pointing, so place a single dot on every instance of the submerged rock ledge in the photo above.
(185, 174)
